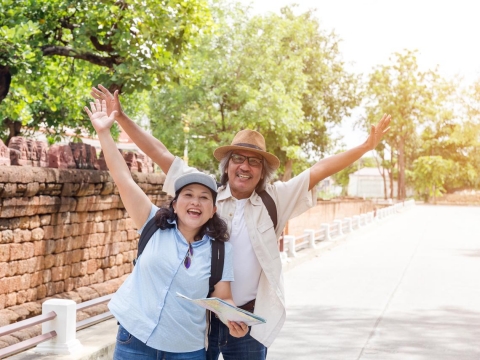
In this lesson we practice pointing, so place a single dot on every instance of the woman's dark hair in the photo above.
(215, 227)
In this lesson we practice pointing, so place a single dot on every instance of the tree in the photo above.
(428, 176)
(411, 96)
(56, 49)
(278, 74)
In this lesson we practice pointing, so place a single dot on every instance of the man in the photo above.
(246, 169)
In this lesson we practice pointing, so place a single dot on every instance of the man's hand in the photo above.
(237, 329)
(112, 101)
(377, 132)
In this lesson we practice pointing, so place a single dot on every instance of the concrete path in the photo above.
(405, 289)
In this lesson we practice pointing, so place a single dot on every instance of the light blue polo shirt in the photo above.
(146, 304)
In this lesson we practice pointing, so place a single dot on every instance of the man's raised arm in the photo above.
(333, 164)
(150, 145)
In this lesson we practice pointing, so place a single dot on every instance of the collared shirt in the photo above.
(292, 198)
(146, 304)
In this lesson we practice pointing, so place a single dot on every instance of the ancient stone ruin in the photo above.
(28, 152)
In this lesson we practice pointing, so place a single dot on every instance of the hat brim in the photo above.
(195, 178)
(220, 153)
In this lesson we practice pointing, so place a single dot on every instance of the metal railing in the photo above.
(339, 227)
(49, 335)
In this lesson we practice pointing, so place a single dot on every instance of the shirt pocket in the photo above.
(268, 238)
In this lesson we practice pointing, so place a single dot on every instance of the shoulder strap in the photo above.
(270, 205)
(218, 258)
(149, 229)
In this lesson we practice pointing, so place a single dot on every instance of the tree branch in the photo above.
(52, 50)
(100, 47)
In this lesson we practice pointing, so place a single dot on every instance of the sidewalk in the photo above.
(407, 288)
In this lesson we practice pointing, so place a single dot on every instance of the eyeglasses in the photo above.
(240, 159)
(188, 256)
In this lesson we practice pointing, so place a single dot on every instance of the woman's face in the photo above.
(194, 207)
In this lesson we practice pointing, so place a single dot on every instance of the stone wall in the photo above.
(63, 233)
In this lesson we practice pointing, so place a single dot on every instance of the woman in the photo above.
(154, 322)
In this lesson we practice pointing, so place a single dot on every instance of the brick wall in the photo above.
(63, 233)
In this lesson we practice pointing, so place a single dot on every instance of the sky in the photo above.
(445, 33)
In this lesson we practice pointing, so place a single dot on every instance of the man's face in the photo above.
(244, 177)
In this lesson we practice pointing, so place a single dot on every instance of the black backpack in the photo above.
(218, 247)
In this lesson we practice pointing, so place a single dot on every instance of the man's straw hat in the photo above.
(250, 140)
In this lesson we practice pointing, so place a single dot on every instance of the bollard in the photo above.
(65, 324)
(311, 238)
(291, 245)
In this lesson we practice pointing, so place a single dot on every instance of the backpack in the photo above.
(218, 247)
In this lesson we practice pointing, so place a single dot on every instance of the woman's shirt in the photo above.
(146, 304)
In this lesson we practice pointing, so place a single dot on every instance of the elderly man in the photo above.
(247, 169)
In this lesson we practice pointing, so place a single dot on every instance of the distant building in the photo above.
(368, 183)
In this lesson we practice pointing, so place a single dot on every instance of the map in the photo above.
(226, 311)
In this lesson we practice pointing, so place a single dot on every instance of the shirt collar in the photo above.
(205, 237)
(224, 193)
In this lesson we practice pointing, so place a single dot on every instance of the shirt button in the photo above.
(230, 214)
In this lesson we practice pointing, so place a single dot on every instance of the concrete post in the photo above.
(326, 227)
(349, 224)
(339, 224)
(356, 218)
(363, 219)
(65, 324)
(311, 237)
(291, 245)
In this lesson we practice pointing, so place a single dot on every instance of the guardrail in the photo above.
(339, 227)
(59, 327)
(58, 319)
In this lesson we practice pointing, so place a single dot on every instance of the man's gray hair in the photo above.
(268, 172)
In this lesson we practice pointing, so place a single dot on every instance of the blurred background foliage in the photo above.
(196, 72)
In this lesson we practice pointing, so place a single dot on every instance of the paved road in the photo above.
(405, 289)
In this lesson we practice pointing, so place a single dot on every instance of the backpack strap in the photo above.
(270, 205)
(149, 229)
(218, 258)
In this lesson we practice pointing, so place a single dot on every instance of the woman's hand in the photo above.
(112, 101)
(237, 329)
(98, 116)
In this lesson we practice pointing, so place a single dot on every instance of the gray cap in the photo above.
(196, 178)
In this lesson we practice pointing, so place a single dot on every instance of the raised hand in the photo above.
(112, 101)
(377, 132)
(98, 116)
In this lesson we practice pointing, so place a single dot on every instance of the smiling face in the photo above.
(194, 207)
(243, 178)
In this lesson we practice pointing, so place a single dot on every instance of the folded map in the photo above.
(226, 311)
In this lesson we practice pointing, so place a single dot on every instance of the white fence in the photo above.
(339, 227)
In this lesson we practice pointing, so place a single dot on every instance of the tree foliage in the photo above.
(429, 174)
(278, 74)
(54, 50)
(412, 97)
